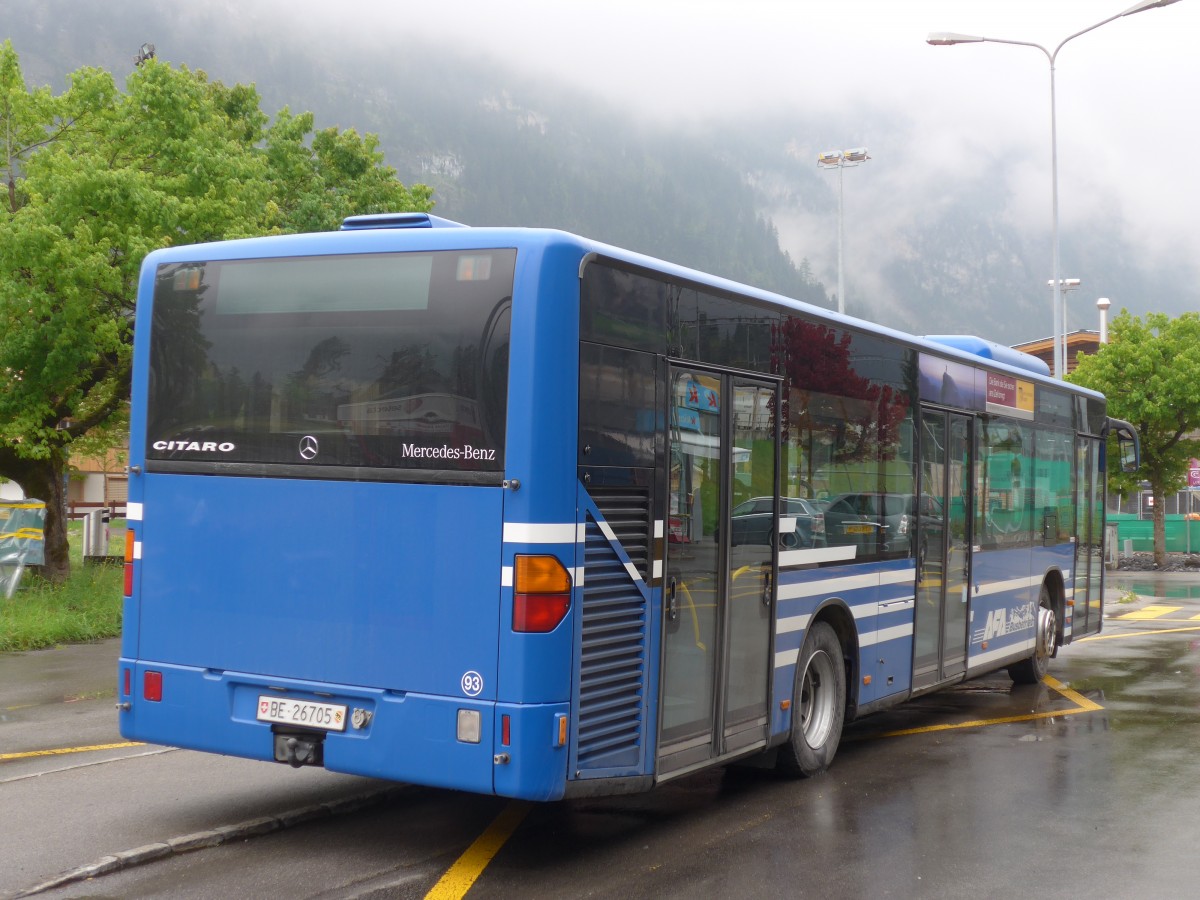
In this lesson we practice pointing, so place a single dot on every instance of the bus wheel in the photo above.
(1033, 669)
(819, 705)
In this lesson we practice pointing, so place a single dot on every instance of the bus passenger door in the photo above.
(943, 514)
(719, 589)
(1089, 548)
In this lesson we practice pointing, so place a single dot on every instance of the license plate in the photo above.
(860, 529)
(304, 713)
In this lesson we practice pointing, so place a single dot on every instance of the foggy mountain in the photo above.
(741, 199)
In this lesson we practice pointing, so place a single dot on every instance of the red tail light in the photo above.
(539, 613)
(152, 686)
(541, 594)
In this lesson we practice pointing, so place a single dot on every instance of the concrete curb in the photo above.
(127, 859)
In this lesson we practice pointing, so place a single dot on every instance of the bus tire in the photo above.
(818, 707)
(1033, 669)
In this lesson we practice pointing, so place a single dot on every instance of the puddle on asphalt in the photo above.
(1172, 590)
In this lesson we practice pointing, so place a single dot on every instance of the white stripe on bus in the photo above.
(792, 623)
(832, 586)
(828, 586)
(816, 555)
(785, 658)
(538, 533)
(885, 634)
(133, 512)
(1003, 587)
(862, 611)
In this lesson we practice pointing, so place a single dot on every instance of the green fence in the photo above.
(1183, 536)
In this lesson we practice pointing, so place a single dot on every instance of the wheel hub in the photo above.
(816, 699)
(1047, 629)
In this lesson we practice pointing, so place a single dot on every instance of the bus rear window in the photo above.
(343, 364)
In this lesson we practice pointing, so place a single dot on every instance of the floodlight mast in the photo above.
(841, 159)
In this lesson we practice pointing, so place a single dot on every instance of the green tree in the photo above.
(1150, 372)
(96, 178)
(315, 183)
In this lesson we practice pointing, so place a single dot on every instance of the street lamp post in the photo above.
(946, 38)
(1065, 286)
(1103, 304)
(841, 159)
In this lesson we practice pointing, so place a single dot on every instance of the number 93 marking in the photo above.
(472, 684)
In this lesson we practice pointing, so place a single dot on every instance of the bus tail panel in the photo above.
(336, 582)
(376, 606)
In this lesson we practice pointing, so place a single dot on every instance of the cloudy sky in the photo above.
(1126, 92)
(939, 121)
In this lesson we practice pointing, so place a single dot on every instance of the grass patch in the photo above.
(87, 607)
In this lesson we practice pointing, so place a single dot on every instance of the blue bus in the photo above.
(511, 511)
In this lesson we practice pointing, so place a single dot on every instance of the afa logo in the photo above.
(996, 621)
(1005, 621)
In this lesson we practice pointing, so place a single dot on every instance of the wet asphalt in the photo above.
(96, 816)
(93, 817)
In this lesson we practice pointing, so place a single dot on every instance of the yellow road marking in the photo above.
(62, 751)
(1082, 705)
(467, 868)
(1126, 634)
(1151, 612)
(1085, 705)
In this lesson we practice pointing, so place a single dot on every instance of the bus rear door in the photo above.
(719, 592)
(943, 529)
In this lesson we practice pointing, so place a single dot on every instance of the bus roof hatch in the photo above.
(398, 220)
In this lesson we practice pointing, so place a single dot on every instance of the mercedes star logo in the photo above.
(308, 447)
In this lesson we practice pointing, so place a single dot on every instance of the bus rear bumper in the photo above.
(437, 741)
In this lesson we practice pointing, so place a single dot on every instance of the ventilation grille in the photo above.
(612, 682)
(627, 512)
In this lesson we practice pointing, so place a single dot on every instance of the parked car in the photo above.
(877, 521)
(754, 523)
